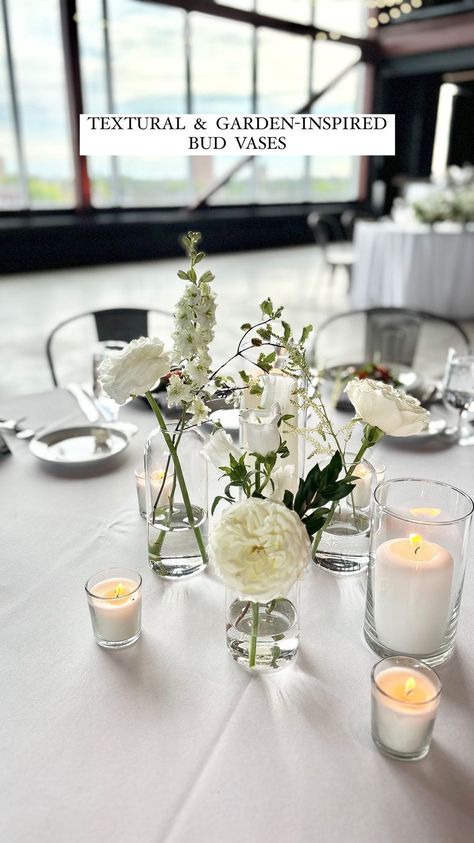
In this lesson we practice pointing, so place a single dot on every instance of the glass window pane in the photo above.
(221, 65)
(36, 34)
(93, 75)
(329, 59)
(348, 17)
(10, 192)
(297, 10)
(337, 178)
(221, 73)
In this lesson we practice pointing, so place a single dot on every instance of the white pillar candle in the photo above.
(362, 477)
(156, 483)
(115, 607)
(412, 594)
(404, 705)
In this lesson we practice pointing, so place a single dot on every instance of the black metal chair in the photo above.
(332, 237)
(415, 339)
(120, 323)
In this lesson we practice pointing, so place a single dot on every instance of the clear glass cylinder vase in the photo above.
(263, 637)
(342, 548)
(176, 502)
(417, 564)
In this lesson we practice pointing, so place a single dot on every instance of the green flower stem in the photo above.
(253, 635)
(178, 473)
(371, 437)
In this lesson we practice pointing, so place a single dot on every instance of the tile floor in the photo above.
(32, 304)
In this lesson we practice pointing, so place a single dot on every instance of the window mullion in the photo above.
(22, 172)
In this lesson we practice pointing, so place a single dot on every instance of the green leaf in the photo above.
(199, 257)
(192, 276)
(206, 278)
(183, 275)
(288, 499)
(267, 307)
(256, 341)
(255, 389)
(305, 334)
(246, 326)
(286, 331)
(245, 377)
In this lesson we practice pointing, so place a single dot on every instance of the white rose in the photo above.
(135, 370)
(260, 430)
(259, 548)
(383, 406)
(218, 448)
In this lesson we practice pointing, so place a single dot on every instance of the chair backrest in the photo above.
(392, 336)
(79, 334)
(414, 339)
(324, 228)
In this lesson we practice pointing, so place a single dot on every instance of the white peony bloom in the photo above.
(283, 478)
(178, 392)
(135, 370)
(260, 430)
(200, 411)
(383, 406)
(219, 447)
(259, 548)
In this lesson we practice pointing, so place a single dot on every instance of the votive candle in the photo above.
(115, 600)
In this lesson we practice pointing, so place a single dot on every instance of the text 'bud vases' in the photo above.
(176, 497)
(419, 543)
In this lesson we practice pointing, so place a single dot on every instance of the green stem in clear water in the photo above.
(178, 473)
(253, 635)
(317, 538)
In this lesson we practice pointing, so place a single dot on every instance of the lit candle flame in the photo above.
(416, 542)
(119, 589)
(410, 686)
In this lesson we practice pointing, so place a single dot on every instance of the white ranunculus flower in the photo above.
(283, 478)
(259, 548)
(383, 406)
(135, 370)
(260, 430)
(219, 447)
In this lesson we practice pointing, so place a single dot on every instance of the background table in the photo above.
(415, 267)
(170, 740)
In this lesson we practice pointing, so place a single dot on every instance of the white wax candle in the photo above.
(156, 483)
(405, 703)
(412, 594)
(117, 610)
(362, 476)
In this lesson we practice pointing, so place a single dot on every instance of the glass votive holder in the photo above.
(405, 701)
(161, 484)
(418, 554)
(343, 548)
(115, 602)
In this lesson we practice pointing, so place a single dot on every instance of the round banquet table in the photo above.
(170, 740)
(414, 266)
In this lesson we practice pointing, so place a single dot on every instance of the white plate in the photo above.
(81, 445)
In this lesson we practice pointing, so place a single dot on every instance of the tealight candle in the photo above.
(115, 600)
(160, 490)
(412, 594)
(405, 700)
(362, 477)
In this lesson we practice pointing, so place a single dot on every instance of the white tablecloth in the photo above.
(415, 267)
(170, 740)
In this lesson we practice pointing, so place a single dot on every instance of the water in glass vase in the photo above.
(173, 551)
(262, 637)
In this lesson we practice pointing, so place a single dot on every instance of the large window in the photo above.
(137, 57)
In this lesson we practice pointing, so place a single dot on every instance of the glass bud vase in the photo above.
(263, 637)
(342, 548)
(177, 521)
(418, 553)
